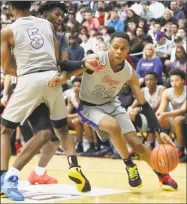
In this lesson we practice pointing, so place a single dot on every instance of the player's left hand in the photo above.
(162, 116)
(166, 139)
(57, 80)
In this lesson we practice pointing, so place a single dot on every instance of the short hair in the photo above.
(120, 35)
(21, 5)
(76, 79)
(177, 72)
(49, 5)
(151, 73)
(89, 52)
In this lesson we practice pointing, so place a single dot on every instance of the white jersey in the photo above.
(176, 101)
(151, 99)
(102, 87)
(34, 46)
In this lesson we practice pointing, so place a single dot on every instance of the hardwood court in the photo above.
(107, 174)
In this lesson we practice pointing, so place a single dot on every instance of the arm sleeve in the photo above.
(70, 66)
(158, 67)
(138, 69)
(64, 45)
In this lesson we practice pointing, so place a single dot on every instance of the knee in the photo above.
(114, 127)
(45, 135)
(178, 120)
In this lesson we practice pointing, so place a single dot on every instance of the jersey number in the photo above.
(37, 40)
(100, 91)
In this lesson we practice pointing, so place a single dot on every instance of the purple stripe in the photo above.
(84, 119)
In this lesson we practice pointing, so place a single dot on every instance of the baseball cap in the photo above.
(177, 39)
(159, 35)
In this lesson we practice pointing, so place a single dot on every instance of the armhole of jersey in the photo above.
(89, 71)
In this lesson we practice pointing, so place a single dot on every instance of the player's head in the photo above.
(177, 78)
(151, 79)
(76, 83)
(17, 6)
(53, 11)
(119, 47)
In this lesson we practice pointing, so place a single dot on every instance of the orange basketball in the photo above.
(164, 158)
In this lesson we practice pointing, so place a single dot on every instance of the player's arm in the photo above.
(7, 82)
(70, 109)
(7, 62)
(164, 102)
(178, 112)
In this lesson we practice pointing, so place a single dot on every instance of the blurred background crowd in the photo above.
(157, 31)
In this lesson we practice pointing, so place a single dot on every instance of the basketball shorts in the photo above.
(92, 115)
(30, 92)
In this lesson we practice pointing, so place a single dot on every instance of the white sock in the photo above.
(39, 170)
(12, 171)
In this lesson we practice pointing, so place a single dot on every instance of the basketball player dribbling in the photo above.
(100, 108)
(36, 53)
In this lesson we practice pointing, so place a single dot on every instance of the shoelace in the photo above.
(133, 173)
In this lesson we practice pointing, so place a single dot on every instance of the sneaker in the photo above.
(2, 194)
(105, 152)
(59, 151)
(88, 153)
(167, 183)
(33, 178)
(116, 156)
(10, 188)
(82, 183)
(134, 177)
(79, 148)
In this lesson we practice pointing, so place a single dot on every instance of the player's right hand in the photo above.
(4, 100)
(57, 80)
(93, 64)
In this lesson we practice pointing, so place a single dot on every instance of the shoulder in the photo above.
(6, 32)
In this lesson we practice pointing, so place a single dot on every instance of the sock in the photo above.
(40, 170)
(158, 174)
(128, 161)
(12, 171)
(72, 161)
(2, 172)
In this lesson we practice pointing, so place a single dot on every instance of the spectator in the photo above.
(181, 32)
(85, 42)
(91, 22)
(105, 35)
(146, 13)
(140, 33)
(177, 13)
(176, 96)
(149, 62)
(131, 26)
(101, 16)
(167, 17)
(75, 51)
(153, 30)
(116, 22)
(123, 14)
(132, 16)
(174, 29)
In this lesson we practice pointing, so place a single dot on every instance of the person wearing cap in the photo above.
(145, 13)
(163, 46)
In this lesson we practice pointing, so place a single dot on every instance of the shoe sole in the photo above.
(136, 187)
(80, 180)
(168, 188)
(3, 195)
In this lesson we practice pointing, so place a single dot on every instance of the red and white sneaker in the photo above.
(33, 178)
(167, 183)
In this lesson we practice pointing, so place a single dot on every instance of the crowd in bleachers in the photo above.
(157, 31)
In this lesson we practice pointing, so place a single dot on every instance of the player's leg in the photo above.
(140, 148)
(58, 115)
(95, 117)
(177, 123)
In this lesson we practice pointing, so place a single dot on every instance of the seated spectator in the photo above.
(115, 22)
(91, 22)
(75, 51)
(152, 93)
(105, 35)
(132, 16)
(85, 42)
(101, 16)
(181, 32)
(149, 62)
(74, 119)
(123, 14)
(167, 17)
(142, 23)
(182, 23)
(176, 96)
(131, 26)
(174, 29)
(153, 30)
(102, 46)
(177, 13)
(146, 12)
(140, 33)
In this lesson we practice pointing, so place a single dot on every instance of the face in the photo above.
(72, 41)
(114, 15)
(181, 23)
(150, 81)
(181, 33)
(76, 86)
(173, 6)
(103, 47)
(139, 32)
(132, 26)
(176, 81)
(157, 28)
(55, 17)
(119, 49)
(149, 51)
(179, 53)
(88, 16)
(84, 38)
(167, 15)
(130, 14)
(174, 28)
(141, 24)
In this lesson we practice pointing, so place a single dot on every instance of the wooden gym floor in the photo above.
(109, 183)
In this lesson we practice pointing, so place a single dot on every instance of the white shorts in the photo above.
(30, 92)
(93, 114)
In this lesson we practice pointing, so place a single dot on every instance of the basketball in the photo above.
(164, 158)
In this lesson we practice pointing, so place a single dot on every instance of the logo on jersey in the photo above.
(37, 40)
(107, 79)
